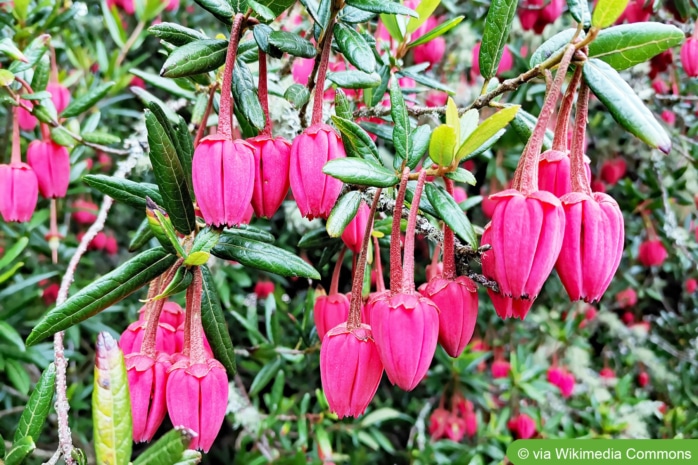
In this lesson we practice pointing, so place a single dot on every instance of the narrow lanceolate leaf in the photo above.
(20, 451)
(439, 30)
(168, 449)
(34, 415)
(245, 95)
(424, 9)
(103, 293)
(419, 143)
(33, 54)
(631, 44)
(449, 211)
(355, 48)
(625, 106)
(263, 256)
(293, 44)
(579, 9)
(488, 129)
(170, 176)
(607, 12)
(13, 252)
(111, 404)
(194, 58)
(141, 237)
(250, 232)
(342, 213)
(342, 108)
(497, 27)
(524, 122)
(442, 146)
(357, 142)
(401, 130)
(551, 46)
(360, 172)
(213, 320)
(355, 79)
(123, 190)
(383, 6)
(175, 34)
(42, 73)
(221, 9)
(87, 101)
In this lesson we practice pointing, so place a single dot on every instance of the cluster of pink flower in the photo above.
(455, 424)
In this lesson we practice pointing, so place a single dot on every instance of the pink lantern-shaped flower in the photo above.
(554, 172)
(27, 121)
(350, 369)
(272, 157)
(51, 164)
(329, 311)
(500, 369)
(147, 379)
(353, 235)
(689, 56)
(85, 212)
(60, 95)
(19, 191)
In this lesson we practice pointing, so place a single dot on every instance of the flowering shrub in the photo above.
(499, 199)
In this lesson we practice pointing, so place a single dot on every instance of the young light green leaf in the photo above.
(103, 293)
(113, 23)
(355, 48)
(111, 404)
(487, 130)
(391, 24)
(442, 146)
(383, 6)
(20, 451)
(167, 450)
(357, 142)
(607, 12)
(579, 9)
(452, 119)
(293, 44)
(33, 53)
(449, 211)
(462, 175)
(628, 45)
(551, 46)
(205, 240)
(35, 413)
(196, 57)
(424, 9)
(497, 26)
(263, 256)
(342, 213)
(360, 172)
(175, 34)
(439, 30)
(468, 123)
(625, 106)
(215, 326)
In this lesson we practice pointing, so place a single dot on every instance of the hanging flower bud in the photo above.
(19, 191)
(329, 311)
(500, 369)
(522, 426)
(651, 253)
(643, 379)
(626, 298)
(607, 374)
(27, 121)
(613, 171)
(197, 398)
(314, 191)
(350, 369)
(628, 318)
(111, 247)
(263, 289)
(272, 157)
(84, 211)
(51, 164)
(50, 294)
(147, 378)
(689, 56)
(353, 235)
(690, 285)
(60, 95)
(223, 179)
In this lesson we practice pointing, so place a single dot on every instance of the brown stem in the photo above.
(322, 73)
(449, 242)
(225, 119)
(354, 319)
(264, 92)
(526, 176)
(54, 67)
(563, 117)
(380, 284)
(207, 112)
(334, 285)
(53, 232)
(408, 260)
(129, 43)
(580, 182)
(395, 254)
(16, 149)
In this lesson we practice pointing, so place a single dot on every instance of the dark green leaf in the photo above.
(221, 9)
(261, 11)
(354, 79)
(316, 239)
(342, 213)
(341, 105)
(551, 46)
(524, 122)
(277, 6)
(250, 232)
(141, 237)
(263, 256)
(402, 128)
(355, 48)
(33, 54)
(579, 9)
(87, 101)
(625, 106)
(419, 143)
(185, 150)
(383, 6)
(196, 57)
(439, 30)
(297, 95)
(378, 92)
(265, 375)
(123, 190)
(356, 141)
(631, 44)
(215, 327)
(449, 211)
(245, 95)
(353, 15)
(175, 34)
(293, 44)
(20, 451)
(34, 415)
(360, 172)
(168, 449)
(103, 293)
(42, 72)
(111, 404)
(168, 85)
(497, 26)
(261, 36)
(170, 176)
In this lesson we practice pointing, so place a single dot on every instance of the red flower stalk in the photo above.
(331, 310)
(350, 366)
(521, 267)
(594, 233)
(405, 323)
(19, 188)
(197, 386)
(223, 169)
(455, 296)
